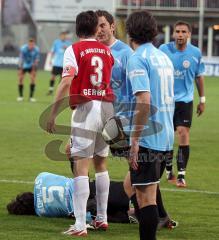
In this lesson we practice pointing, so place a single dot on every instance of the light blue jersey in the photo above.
(28, 57)
(58, 48)
(150, 70)
(187, 66)
(53, 195)
(121, 86)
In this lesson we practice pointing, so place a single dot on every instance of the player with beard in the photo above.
(122, 105)
(188, 66)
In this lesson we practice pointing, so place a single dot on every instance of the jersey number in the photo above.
(166, 77)
(97, 63)
(48, 196)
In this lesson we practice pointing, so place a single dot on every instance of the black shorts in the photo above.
(117, 200)
(29, 70)
(57, 70)
(183, 114)
(120, 152)
(149, 166)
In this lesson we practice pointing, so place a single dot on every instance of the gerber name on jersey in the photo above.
(94, 92)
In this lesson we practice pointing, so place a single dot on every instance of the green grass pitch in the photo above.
(22, 158)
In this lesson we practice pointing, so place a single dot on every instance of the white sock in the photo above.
(182, 173)
(80, 196)
(102, 193)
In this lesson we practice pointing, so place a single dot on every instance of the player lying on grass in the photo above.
(53, 196)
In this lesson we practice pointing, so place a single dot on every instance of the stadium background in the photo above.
(44, 19)
(22, 147)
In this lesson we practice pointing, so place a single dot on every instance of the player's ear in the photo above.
(113, 27)
(189, 35)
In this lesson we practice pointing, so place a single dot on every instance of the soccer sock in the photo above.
(71, 159)
(135, 203)
(169, 165)
(102, 193)
(20, 89)
(182, 160)
(32, 89)
(51, 85)
(80, 196)
(148, 222)
(160, 207)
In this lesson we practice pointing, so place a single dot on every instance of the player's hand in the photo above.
(133, 154)
(50, 127)
(200, 109)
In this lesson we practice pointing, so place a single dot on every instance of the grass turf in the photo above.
(23, 157)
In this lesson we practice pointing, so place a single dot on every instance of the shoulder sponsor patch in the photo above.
(136, 73)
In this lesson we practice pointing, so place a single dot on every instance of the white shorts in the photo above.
(87, 124)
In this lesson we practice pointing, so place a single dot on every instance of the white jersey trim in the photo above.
(145, 184)
(88, 39)
(141, 91)
(70, 60)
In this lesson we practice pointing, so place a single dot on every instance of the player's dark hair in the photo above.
(179, 23)
(31, 40)
(141, 27)
(86, 24)
(107, 15)
(22, 205)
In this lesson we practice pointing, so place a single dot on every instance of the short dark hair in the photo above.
(107, 15)
(31, 40)
(63, 33)
(178, 23)
(22, 205)
(86, 24)
(141, 27)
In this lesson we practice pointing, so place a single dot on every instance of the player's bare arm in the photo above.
(200, 88)
(140, 119)
(62, 90)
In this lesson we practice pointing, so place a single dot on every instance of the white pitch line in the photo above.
(189, 191)
(15, 181)
(163, 189)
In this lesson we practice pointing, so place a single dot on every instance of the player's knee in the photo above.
(127, 186)
(183, 133)
(99, 164)
(146, 195)
(68, 154)
(68, 151)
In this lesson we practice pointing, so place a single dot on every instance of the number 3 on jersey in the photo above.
(97, 77)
